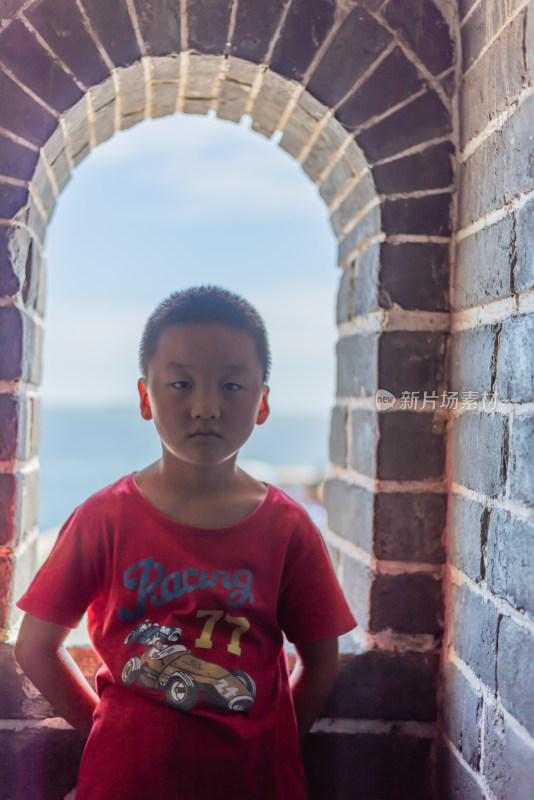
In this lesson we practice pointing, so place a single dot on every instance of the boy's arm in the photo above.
(312, 680)
(39, 651)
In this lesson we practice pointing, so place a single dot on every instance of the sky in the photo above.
(177, 202)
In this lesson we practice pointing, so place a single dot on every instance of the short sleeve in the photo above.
(67, 582)
(311, 604)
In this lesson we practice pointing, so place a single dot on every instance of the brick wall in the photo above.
(488, 698)
(364, 95)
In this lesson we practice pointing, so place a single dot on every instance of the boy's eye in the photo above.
(181, 385)
(232, 387)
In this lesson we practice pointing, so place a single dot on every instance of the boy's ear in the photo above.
(263, 412)
(146, 411)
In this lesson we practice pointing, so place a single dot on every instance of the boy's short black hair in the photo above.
(205, 304)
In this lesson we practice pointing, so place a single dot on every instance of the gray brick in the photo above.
(203, 72)
(366, 228)
(510, 572)
(159, 26)
(365, 283)
(272, 100)
(472, 359)
(509, 759)
(462, 711)
(342, 64)
(352, 204)
(407, 603)
(521, 461)
(421, 120)
(431, 168)
(411, 361)
(165, 68)
(105, 122)
(357, 365)
(16, 160)
(338, 436)
(393, 81)
(411, 446)
(455, 781)
(25, 565)
(254, 31)
(420, 215)
(15, 244)
(356, 583)
(473, 627)
(364, 431)
(410, 527)
(336, 180)
(36, 221)
(232, 100)
(425, 30)
(515, 365)
(386, 685)
(164, 97)
(479, 452)
(344, 295)
(132, 89)
(514, 671)
(524, 267)
(467, 536)
(511, 171)
(483, 265)
(306, 26)
(61, 169)
(78, 130)
(350, 512)
(23, 55)
(43, 186)
(494, 82)
(481, 26)
(114, 29)
(328, 142)
(298, 130)
(414, 276)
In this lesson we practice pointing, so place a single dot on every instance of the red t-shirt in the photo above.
(189, 622)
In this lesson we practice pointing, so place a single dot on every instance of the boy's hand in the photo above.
(312, 680)
(39, 651)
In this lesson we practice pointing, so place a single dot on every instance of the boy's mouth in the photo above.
(204, 433)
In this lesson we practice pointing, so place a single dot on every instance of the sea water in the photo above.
(83, 450)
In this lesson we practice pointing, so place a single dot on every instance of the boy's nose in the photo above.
(205, 405)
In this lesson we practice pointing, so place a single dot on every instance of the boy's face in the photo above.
(205, 392)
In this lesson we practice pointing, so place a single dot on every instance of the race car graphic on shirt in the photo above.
(183, 677)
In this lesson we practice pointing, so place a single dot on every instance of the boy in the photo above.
(191, 571)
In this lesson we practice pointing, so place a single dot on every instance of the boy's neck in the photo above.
(205, 497)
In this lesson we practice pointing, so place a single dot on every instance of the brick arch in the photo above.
(360, 93)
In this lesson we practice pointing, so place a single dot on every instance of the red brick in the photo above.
(8, 489)
(6, 575)
(11, 336)
(8, 426)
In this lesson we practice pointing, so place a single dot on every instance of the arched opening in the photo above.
(171, 203)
